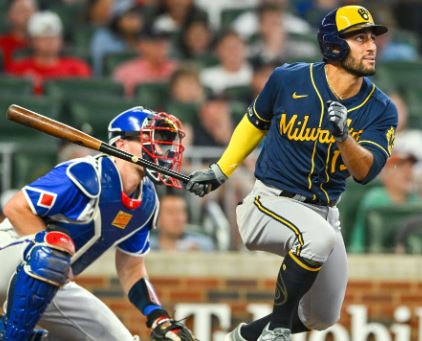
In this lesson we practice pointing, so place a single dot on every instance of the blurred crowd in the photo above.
(205, 62)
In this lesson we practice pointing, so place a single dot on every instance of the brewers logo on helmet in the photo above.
(341, 22)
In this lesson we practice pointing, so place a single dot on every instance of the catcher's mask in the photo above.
(160, 135)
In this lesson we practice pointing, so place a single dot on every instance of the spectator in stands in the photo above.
(152, 65)
(173, 229)
(45, 62)
(98, 12)
(121, 35)
(392, 49)
(215, 125)
(233, 68)
(196, 40)
(185, 86)
(247, 24)
(18, 14)
(397, 188)
(173, 15)
(273, 43)
(402, 111)
(261, 73)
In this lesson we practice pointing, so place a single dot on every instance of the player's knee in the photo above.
(323, 322)
(324, 243)
(48, 257)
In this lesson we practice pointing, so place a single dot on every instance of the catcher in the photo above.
(62, 222)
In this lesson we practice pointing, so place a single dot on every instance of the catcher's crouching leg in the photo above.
(45, 267)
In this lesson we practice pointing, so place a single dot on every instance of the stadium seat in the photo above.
(229, 15)
(71, 88)
(112, 60)
(240, 93)
(406, 75)
(152, 95)
(29, 164)
(15, 85)
(349, 204)
(186, 112)
(67, 90)
(94, 114)
(14, 132)
(383, 223)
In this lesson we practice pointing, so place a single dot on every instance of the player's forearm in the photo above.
(357, 159)
(24, 221)
(129, 269)
(244, 140)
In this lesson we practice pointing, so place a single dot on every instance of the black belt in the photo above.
(306, 200)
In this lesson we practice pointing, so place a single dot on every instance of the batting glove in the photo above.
(204, 181)
(337, 116)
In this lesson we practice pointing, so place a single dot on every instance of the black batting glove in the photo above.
(337, 116)
(204, 181)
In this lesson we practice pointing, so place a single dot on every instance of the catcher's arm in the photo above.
(133, 277)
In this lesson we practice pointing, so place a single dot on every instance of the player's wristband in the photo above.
(143, 297)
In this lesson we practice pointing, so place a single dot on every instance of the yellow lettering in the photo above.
(324, 136)
(286, 128)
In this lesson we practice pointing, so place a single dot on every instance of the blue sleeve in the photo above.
(379, 140)
(262, 108)
(54, 193)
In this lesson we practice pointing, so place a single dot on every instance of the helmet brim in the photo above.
(376, 29)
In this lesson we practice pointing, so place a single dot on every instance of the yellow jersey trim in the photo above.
(302, 264)
(376, 144)
(311, 71)
(256, 113)
(365, 100)
(283, 221)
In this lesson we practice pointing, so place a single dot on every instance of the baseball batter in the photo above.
(322, 123)
(62, 222)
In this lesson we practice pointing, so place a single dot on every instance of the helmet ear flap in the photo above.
(333, 47)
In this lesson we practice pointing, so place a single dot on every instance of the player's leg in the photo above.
(289, 228)
(45, 267)
(76, 314)
(11, 251)
(320, 308)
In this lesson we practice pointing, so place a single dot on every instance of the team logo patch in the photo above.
(46, 199)
(121, 219)
(390, 139)
(363, 13)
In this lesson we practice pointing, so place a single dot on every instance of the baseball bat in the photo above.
(58, 129)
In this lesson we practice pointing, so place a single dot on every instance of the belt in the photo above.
(306, 200)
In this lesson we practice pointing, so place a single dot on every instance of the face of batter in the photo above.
(361, 59)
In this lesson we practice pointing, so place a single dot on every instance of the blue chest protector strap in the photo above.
(44, 269)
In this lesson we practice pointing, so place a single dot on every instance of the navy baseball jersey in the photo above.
(299, 154)
(84, 197)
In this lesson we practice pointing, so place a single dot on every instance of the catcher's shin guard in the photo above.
(44, 269)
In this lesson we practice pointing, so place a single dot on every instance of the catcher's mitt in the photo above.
(171, 330)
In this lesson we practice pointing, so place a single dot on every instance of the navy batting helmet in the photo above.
(340, 22)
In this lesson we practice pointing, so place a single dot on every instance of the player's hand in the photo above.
(166, 329)
(337, 116)
(204, 181)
